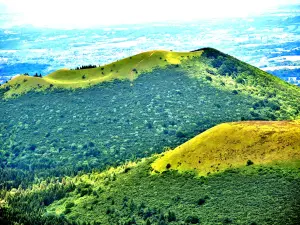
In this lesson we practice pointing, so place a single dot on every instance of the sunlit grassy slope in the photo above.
(128, 68)
(232, 145)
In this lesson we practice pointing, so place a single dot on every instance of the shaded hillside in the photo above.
(233, 145)
(60, 132)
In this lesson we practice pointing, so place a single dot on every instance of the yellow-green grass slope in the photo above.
(128, 68)
(232, 145)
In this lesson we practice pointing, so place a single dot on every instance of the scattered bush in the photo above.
(235, 92)
(149, 125)
(180, 134)
(171, 217)
(127, 169)
(32, 147)
(274, 106)
(240, 80)
(208, 78)
(109, 211)
(227, 221)
(201, 201)
(192, 220)
(69, 205)
(249, 163)
(210, 71)
(67, 211)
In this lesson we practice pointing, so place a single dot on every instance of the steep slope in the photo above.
(232, 145)
(266, 192)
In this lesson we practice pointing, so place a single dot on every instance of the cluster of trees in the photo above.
(29, 208)
(35, 75)
(225, 66)
(85, 67)
(14, 178)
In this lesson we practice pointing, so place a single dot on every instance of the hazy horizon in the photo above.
(90, 13)
(267, 38)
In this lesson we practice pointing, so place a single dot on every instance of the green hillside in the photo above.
(60, 134)
(260, 193)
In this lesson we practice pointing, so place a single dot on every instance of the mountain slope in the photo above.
(234, 145)
(56, 145)
(129, 194)
(60, 132)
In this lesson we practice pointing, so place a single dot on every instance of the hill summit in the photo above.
(232, 145)
(212, 64)
(128, 68)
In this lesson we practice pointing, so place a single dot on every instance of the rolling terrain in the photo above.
(82, 147)
(135, 193)
(61, 131)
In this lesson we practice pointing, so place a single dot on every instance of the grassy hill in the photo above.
(128, 68)
(266, 192)
(232, 145)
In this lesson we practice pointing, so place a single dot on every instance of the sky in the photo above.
(91, 13)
